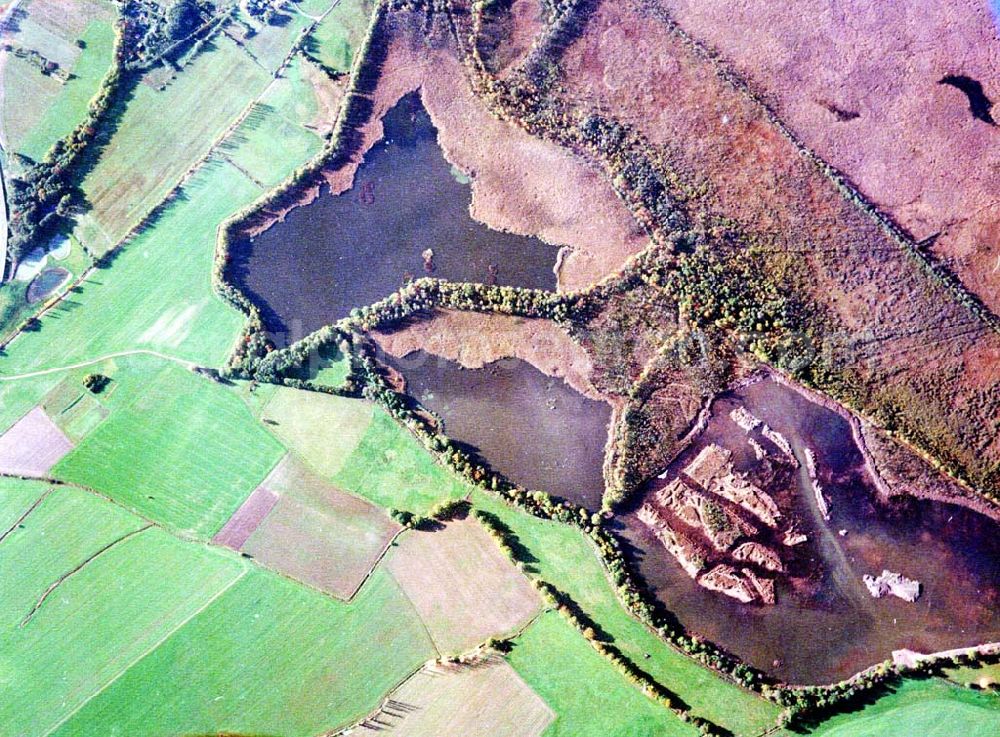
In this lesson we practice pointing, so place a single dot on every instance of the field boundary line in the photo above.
(376, 563)
(142, 656)
(34, 505)
(73, 571)
(423, 624)
(120, 354)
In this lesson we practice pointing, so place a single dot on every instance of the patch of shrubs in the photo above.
(95, 383)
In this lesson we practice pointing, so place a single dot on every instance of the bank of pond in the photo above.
(406, 216)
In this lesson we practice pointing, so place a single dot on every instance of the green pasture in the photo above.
(100, 621)
(928, 708)
(269, 146)
(338, 35)
(322, 429)
(589, 696)
(292, 95)
(156, 294)
(65, 529)
(69, 107)
(569, 561)
(178, 448)
(268, 657)
(391, 468)
(16, 497)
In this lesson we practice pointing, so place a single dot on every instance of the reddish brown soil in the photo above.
(246, 519)
(303, 527)
(33, 445)
(882, 310)
(474, 339)
(858, 83)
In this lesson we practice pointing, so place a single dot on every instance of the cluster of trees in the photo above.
(41, 195)
(95, 383)
(154, 29)
(45, 65)
(263, 10)
(441, 512)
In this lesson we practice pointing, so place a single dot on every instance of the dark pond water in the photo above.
(825, 625)
(46, 283)
(355, 248)
(536, 430)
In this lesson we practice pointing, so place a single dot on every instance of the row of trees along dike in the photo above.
(42, 193)
(591, 631)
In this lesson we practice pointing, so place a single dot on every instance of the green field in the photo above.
(589, 697)
(70, 106)
(292, 95)
(65, 529)
(568, 561)
(274, 145)
(178, 448)
(116, 310)
(50, 108)
(101, 620)
(162, 134)
(392, 469)
(16, 496)
(359, 448)
(335, 39)
(928, 708)
(269, 657)
(323, 430)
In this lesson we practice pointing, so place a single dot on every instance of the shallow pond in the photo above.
(352, 249)
(827, 626)
(46, 283)
(536, 430)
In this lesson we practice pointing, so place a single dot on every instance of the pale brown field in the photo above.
(474, 339)
(462, 585)
(307, 529)
(482, 699)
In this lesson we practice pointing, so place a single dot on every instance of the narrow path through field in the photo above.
(55, 584)
(90, 362)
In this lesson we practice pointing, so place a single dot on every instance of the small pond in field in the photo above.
(535, 429)
(826, 625)
(352, 249)
(46, 283)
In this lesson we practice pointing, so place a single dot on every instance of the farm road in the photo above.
(139, 351)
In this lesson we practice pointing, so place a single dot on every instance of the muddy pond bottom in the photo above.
(825, 625)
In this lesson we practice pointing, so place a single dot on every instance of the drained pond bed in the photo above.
(534, 429)
(824, 624)
(406, 216)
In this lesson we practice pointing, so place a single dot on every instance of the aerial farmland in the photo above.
(509, 368)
